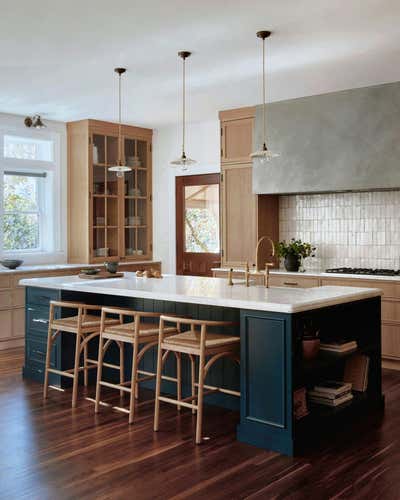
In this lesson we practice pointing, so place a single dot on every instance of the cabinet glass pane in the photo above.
(141, 241)
(130, 212)
(99, 211)
(112, 242)
(99, 243)
(112, 211)
(112, 183)
(99, 179)
(129, 183)
(112, 150)
(141, 212)
(131, 156)
(201, 216)
(142, 154)
(141, 183)
(99, 149)
(130, 242)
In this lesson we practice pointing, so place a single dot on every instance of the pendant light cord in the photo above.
(183, 107)
(264, 91)
(119, 120)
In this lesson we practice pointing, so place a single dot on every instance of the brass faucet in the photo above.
(266, 275)
(258, 264)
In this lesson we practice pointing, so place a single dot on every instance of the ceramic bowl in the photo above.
(11, 263)
(90, 271)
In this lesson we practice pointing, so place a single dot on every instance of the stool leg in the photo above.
(179, 377)
(47, 366)
(199, 421)
(121, 366)
(85, 364)
(99, 373)
(158, 389)
(76, 370)
(133, 381)
(193, 378)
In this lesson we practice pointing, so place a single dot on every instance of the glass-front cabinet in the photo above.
(119, 211)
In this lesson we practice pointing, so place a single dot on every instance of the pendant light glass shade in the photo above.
(183, 161)
(263, 154)
(120, 168)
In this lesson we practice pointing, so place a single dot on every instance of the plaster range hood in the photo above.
(338, 142)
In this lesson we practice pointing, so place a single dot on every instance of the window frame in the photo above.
(50, 237)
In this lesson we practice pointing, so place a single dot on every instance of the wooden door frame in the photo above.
(180, 182)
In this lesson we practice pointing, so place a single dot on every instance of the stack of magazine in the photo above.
(331, 393)
(339, 346)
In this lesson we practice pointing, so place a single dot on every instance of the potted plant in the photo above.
(293, 252)
(310, 342)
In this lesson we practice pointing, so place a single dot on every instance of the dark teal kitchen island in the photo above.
(270, 322)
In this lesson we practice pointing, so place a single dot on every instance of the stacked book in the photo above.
(339, 346)
(331, 393)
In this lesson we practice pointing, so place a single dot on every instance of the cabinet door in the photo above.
(238, 216)
(236, 140)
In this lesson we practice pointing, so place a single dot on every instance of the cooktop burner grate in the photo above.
(364, 270)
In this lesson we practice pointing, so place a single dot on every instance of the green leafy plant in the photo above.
(295, 247)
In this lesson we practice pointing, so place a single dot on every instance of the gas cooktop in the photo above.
(364, 270)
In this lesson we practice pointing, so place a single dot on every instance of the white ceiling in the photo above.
(57, 57)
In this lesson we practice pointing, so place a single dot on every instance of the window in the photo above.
(30, 203)
(202, 218)
(22, 210)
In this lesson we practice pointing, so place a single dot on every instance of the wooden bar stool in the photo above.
(142, 336)
(196, 341)
(85, 327)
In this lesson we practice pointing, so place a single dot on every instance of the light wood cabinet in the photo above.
(245, 216)
(293, 281)
(237, 135)
(110, 217)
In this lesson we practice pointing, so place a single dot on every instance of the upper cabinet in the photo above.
(245, 217)
(237, 135)
(110, 217)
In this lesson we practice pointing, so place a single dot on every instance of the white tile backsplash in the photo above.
(348, 229)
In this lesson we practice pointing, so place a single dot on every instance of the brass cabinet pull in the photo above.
(40, 320)
(291, 283)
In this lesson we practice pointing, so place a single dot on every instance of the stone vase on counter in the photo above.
(292, 262)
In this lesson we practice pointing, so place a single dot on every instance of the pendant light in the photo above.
(263, 154)
(120, 168)
(183, 161)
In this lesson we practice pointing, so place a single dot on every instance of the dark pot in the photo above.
(310, 348)
(292, 263)
(111, 267)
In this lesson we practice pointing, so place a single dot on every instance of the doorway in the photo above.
(197, 224)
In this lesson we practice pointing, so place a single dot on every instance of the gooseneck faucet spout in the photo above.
(260, 265)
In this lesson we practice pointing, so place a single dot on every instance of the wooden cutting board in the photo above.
(101, 276)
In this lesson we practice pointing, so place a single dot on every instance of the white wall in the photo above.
(15, 124)
(203, 146)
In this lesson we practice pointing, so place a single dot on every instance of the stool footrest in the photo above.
(182, 402)
(64, 373)
(116, 386)
(219, 389)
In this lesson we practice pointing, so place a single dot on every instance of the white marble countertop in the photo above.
(58, 267)
(316, 274)
(210, 291)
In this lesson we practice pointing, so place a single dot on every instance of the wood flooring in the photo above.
(48, 451)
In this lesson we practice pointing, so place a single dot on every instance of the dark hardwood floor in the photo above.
(49, 451)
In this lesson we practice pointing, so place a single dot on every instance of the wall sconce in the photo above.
(34, 121)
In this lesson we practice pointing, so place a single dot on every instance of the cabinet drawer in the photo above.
(5, 324)
(36, 352)
(6, 299)
(388, 289)
(18, 322)
(5, 282)
(37, 319)
(41, 296)
(391, 341)
(390, 310)
(293, 281)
